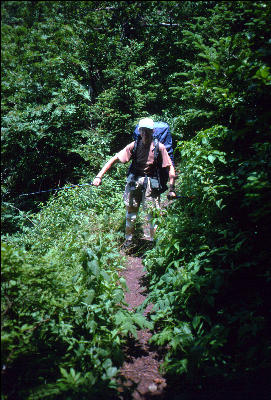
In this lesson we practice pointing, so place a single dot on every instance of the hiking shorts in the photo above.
(141, 190)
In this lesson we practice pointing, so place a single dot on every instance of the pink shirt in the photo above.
(145, 157)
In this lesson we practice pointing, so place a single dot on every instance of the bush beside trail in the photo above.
(209, 273)
(63, 318)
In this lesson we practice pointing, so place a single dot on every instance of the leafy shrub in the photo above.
(64, 321)
(208, 282)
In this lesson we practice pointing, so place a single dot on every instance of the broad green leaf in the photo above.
(211, 158)
(93, 267)
(90, 296)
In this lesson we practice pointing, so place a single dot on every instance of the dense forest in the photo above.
(76, 78)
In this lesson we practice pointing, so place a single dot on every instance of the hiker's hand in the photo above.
(97, 181)
(171, 195)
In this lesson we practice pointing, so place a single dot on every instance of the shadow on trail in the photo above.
(144, 282)
(134, 349)
(257, 389)
(249, 387)
(140, 247)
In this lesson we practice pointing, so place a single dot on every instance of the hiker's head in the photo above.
(146, 126)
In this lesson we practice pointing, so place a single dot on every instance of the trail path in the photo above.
(140, 370)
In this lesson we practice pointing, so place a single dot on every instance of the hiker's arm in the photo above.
(98, 179)
(172, 177)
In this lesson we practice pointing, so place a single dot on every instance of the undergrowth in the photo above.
(64, 321)
(208, 273)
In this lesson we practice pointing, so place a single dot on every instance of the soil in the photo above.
(140, 371)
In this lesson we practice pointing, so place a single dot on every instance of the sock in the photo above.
(130, 224)
(151, 226)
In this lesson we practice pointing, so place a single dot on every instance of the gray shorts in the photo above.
(141, 190)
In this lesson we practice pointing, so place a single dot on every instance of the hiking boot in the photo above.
(149, 238)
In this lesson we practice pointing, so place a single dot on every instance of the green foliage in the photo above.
(210, 268)
(76, 79)
(77, 76)
(63, 301)
(226, 73)
(209, 271)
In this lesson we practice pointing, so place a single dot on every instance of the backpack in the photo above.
(161, 134)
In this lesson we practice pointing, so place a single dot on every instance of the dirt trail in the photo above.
(140, 370)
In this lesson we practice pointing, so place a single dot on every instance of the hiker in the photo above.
(142, 185)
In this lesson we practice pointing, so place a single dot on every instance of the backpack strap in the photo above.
(135, 148)
(156, 149)
(156, 161)
(132, 167)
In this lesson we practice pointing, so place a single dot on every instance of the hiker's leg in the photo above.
(131, 214)
(152, 226)
(152, 202)
(132, 200)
